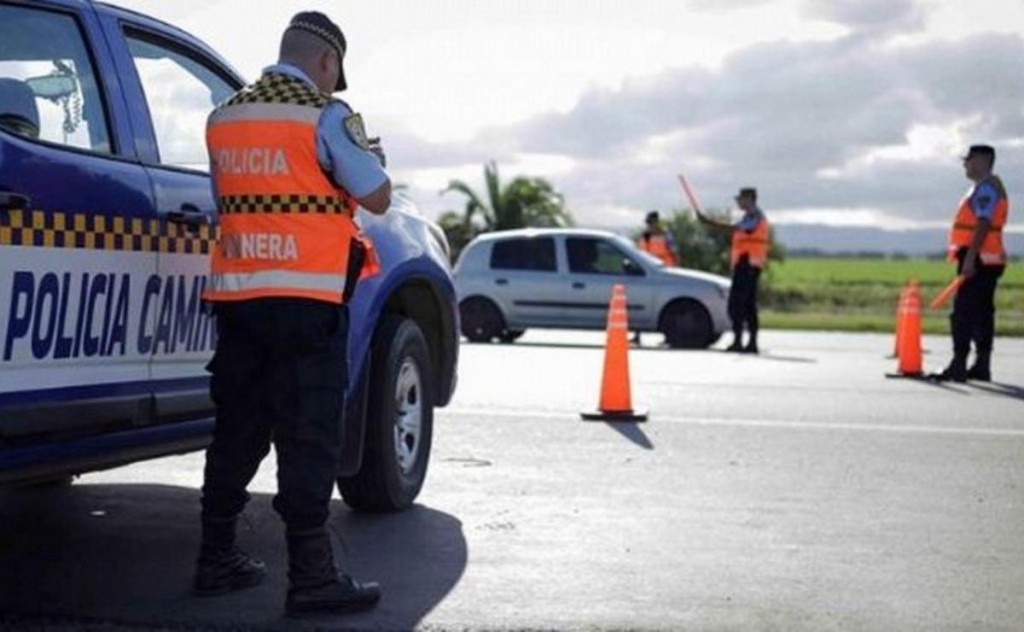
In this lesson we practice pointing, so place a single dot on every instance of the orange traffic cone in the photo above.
(909, 354)
(615, 393)
(900, 305)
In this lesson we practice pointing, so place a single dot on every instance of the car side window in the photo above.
(536, 254)
(596, 256)
(48, 87)
(180, 92)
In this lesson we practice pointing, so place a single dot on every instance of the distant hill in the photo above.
(834, 240)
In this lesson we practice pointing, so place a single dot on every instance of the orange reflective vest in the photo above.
(286, 230)
(753, 244)
(992, 252)
(657, 245)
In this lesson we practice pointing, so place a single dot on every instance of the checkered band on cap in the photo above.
(321, 32)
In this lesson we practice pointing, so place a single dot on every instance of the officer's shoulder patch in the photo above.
(356, 130)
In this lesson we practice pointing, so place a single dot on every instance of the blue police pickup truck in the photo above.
(106, 224)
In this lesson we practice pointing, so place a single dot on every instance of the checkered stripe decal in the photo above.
(273, 88)
(318, 204)
(56, 229)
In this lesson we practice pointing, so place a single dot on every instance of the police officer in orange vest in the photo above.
(976, 244)
(658, 242)
(749, 256)
(290, 166)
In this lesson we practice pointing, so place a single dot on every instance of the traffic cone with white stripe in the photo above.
(616, 398)
(909, 359)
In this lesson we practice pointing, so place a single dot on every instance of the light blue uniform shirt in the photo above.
(749, 221)
(983, 200)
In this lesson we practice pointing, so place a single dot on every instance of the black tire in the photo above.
(481, 319)
(686, 325)
(395, 455)
(511, 335)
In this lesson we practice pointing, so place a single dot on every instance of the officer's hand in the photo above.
(378, 151)
(968, 269)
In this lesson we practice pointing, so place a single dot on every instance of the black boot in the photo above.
(955, 372)
(315, 586)
(751, 344)
(981, 370)
(736, 345)
(223, 567)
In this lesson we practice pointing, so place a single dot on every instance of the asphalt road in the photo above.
(796, 490)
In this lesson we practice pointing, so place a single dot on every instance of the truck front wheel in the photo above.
(399, 421)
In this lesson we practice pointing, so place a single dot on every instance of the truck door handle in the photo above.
(10, 201)
(501, 281)
(578, 286)
(190, 216)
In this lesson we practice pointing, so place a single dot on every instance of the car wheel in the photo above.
(686, 325)
(511, 335)
(399, 421)
(481, 319)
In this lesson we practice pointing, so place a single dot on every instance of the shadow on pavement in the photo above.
(1000, 388)
(952, 387)
(633, 432)
(124, 554)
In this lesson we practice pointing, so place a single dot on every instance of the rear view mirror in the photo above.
(53, 87)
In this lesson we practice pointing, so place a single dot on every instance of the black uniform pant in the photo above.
(278, 375)
(743, 298)
(974, 310)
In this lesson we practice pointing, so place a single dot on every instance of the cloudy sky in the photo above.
(842, 112)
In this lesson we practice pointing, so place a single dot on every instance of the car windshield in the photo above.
(633, 251)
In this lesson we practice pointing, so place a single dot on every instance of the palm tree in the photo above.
(523, 202)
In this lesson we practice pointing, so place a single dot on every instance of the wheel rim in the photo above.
(408, 415)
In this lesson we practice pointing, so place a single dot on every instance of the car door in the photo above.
(74, 210)
(525, 278)
(596, 264)
(178, 85)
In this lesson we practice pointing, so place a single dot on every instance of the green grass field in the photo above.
(861, 294)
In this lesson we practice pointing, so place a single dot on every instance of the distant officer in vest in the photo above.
(749, 256)
(290, 166)
(657, 241)
(976, 244)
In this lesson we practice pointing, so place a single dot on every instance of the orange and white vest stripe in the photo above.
(992, 251)
(753, 244)
(286, 230)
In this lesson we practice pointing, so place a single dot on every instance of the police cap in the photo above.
(747, 192)
(653, 217)
(320, 25)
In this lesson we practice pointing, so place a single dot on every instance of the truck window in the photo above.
(180, 93)
(48, 88)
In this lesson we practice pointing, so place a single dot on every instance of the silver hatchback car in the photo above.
(510, 281)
